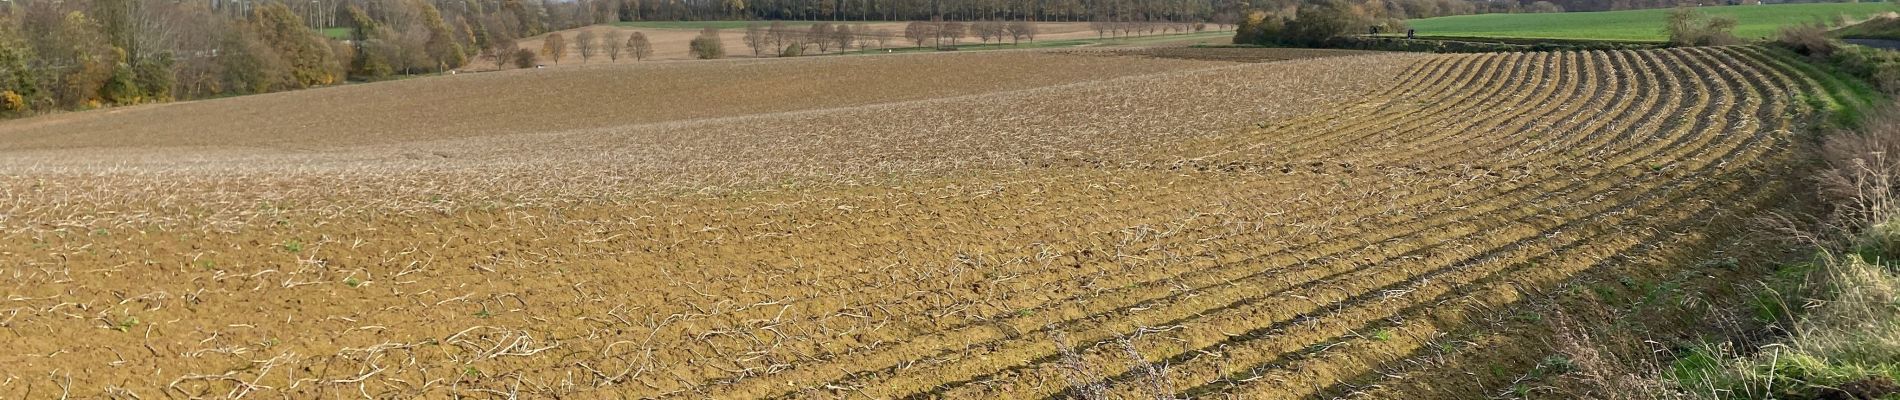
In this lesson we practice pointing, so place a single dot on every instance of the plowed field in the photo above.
(1026, 225)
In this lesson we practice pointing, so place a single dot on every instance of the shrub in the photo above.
(306, 53)
(122, 86)
(707, 45)
(1259, 27)
(1807, 39)
(12, 101)
(524, 58)
(375, 59)
(1316, 23)
(1320, 20)
(1688, 27)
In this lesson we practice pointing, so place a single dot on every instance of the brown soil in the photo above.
(879, 227)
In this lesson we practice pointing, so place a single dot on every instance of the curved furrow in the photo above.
(1743, 183)
(1412, 118)
(1359, 351)
(1417, 77)
(1499, 73)
(1655, 204)
(1466, 69)
(1652, 107)
(1406, 145)
(1779, 117)
(1836, 88)
(1507, 93)
(1818, 95)
(1534, 129)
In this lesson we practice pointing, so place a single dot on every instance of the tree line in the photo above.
(78, 54)
(977, 10)
(1313, 23)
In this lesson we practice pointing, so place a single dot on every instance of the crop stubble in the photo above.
(1247, 227)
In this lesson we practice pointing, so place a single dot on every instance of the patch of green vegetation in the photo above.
(1382, 335)
(1555, 364)
(126, 324)
(339, 33)
(1756, 21)
(1607, 293)
(293, 246)
(1775, 303)
(352, 282)
(1528, 316)
(1780, 373)
(1846, 96)
(1697, 367)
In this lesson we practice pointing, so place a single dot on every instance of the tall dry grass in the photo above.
(1839, 314)
(1843, 337)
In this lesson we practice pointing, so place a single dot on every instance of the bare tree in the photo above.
(639, 47)
(503, 47)
(554, 47)
(820, 34)
(843, 36)
(615, 43)
(952, 30)
(756, 38)
(988, 29)
(920, 31)
(884, 37)
(867, 37)
(779, 35)
(587, 44)
(1019, 30)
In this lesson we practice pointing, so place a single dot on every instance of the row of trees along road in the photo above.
(613, 44)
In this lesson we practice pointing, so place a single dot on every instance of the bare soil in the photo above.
(999, 224)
